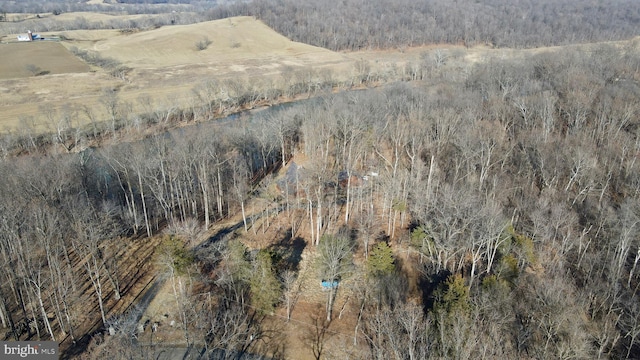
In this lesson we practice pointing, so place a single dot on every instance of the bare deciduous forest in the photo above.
(489, 213)
(357, 24)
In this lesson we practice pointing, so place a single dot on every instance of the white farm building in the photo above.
(29, 36)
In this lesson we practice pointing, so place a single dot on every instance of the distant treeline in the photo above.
(130, 7)
(358, 24)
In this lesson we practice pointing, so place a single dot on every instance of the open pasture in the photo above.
(230, 40)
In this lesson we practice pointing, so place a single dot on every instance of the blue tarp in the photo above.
(329, 284)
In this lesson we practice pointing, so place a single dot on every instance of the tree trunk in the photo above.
(43, 311)
(5, 310)
(313, 239)
(144, 205)
(204, 184)
(220, 192)
(244, 216)
(346, 213)
(94, 275)
(332, 294)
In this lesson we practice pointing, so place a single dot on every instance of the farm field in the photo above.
(16, 60)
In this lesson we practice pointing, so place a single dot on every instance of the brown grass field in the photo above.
(48, 56)
(165, 66)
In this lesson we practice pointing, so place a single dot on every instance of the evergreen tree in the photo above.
(381, 261)
(265, 287)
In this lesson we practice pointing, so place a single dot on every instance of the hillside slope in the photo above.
(233, 39)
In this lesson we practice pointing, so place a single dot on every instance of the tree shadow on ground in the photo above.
(208, 252)
(428, 283)
(289, 252)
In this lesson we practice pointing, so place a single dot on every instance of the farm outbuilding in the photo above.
(29, 36)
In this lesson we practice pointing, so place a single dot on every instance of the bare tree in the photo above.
(291, 290)
(334, 263)
(111, 102)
